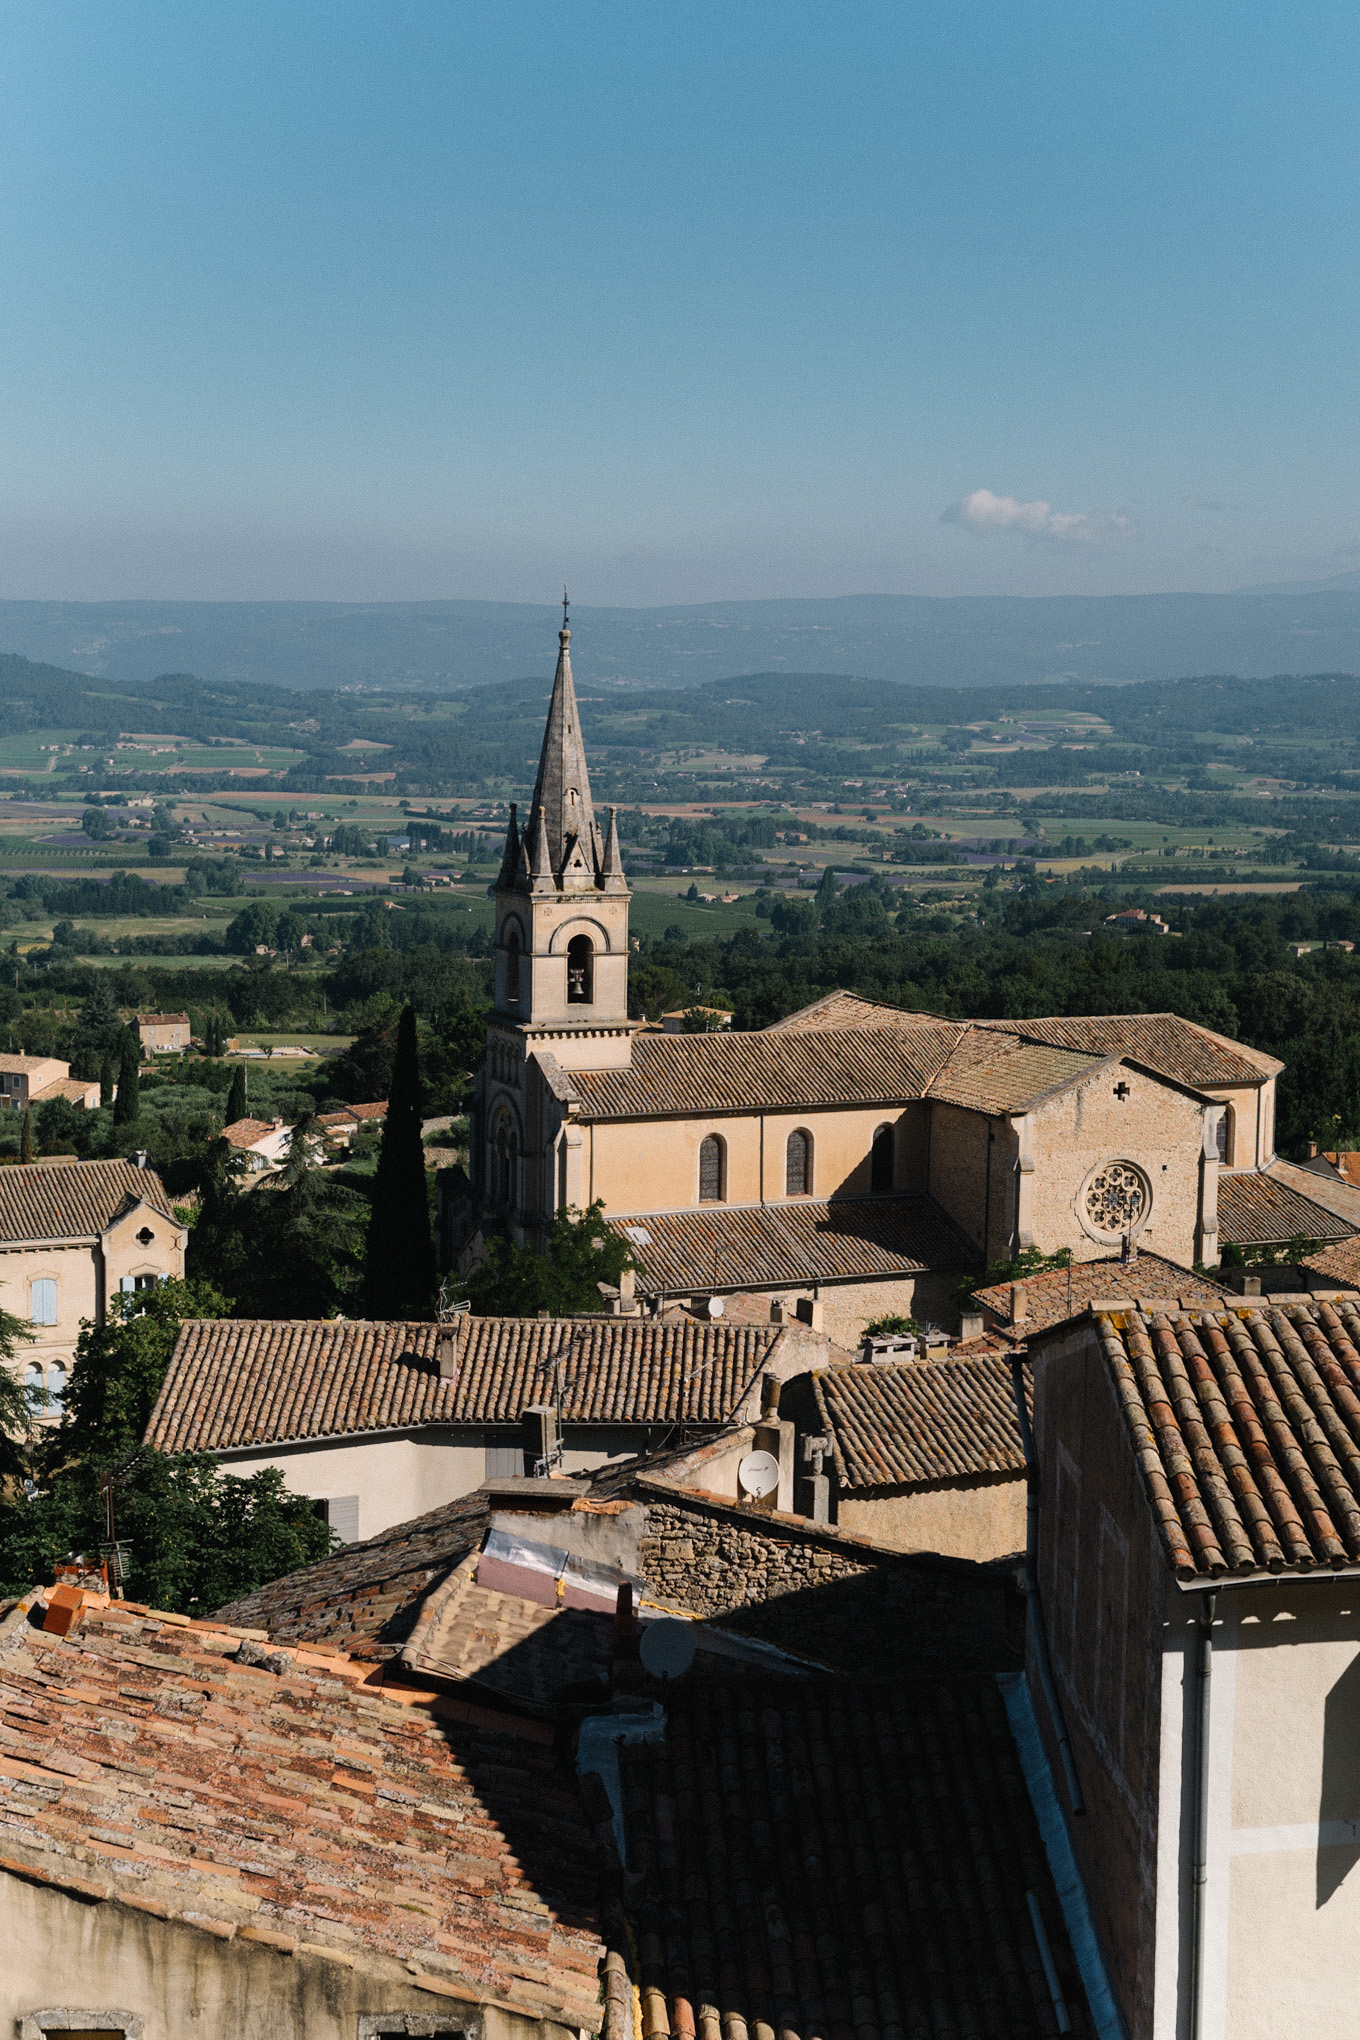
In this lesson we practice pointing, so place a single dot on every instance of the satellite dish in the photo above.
(667, 1648)
(716, 1306)
(639, 1235)
(758, 1474)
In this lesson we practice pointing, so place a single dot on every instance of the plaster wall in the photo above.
(99, 1958)
(653, 1165)
(980, 1519)
(1252, 1119)
(1154, 1126)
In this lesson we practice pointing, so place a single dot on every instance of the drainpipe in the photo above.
(1204, 1674)
(1036, 1612)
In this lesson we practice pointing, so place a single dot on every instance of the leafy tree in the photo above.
(96, 824)
(254, 925)
(127, 1105)
(120, 1365)
(236, 1097)
(399, 1270)
(288, 933)
(15, 1412)
(514, 1281)
(193, 1536)
(289, 1247)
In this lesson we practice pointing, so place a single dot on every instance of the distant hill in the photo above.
(921, 641)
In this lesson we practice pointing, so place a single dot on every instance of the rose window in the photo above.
(1117, 1198)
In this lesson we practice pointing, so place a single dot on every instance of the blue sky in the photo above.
(370, 300)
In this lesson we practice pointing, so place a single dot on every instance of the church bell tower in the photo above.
(562, 908)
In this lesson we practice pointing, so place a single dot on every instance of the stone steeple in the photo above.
(562, 800)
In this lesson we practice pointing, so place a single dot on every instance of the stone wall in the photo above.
(828, 1596)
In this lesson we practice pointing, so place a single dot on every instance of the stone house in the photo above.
(163, 1033)
(853, 1158)
(36, 1079)
(1198, 1545)
(73, 1234)
(378, 1422)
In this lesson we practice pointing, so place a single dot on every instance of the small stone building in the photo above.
(73, 1235)
(36, 1079)
(163, 1033)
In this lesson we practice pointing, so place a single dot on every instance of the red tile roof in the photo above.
(187, 1771)
(1059, 1293)
(1246, 1428)
(247, 1133)
(685, 1074)
(987, 1072)
(1339, 1264)
(737, 1246)
(76, 1201)
(236, 1382)
(1174, 1048)
(1255, 1210)
(850, 1010)
(849, 1859)
(915, 1422)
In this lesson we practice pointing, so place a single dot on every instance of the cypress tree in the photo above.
(128, 1104)
(236, 1097)
(26, 1148)
(106, 1079)
(399, 1270)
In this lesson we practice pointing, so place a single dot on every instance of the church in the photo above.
(853, 1160)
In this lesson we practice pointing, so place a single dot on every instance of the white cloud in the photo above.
(982, 512)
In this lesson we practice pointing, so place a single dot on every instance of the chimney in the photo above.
(1312, 1150)
(1251, 1285)
(971, 1325)
(538, 1436)
(1019, 1303)
(138, 1158)
(449, 1343)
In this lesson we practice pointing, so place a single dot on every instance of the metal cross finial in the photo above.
(564, 605)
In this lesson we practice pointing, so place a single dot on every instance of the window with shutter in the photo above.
(798, 1165)
(42, 1308)
(710, 1170)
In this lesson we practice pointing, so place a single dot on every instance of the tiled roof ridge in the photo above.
(921, 1422)
(1048, 1029)
(77, 1201)
(1245, 1425)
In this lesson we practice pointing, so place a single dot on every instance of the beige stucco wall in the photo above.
(1283, 1919)
(1156, 1127)
(979, 1519)
(60, 1951)
(654, 1165)
(85, 1277)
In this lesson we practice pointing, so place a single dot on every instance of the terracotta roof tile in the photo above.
(1175, 1048)
(234, 1382)
(899, 1424)
(245, 1133)
(713, 1073)
(77, 1200)
(1246, 1428)
(412, 1835)
(987, 1072)
(850, 1010)
(1059, 1293)
(1255, 1210)
(1339, 1264)
(843, 1858)
(739, 1246)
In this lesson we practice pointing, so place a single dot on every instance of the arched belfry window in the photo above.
(798, 1164)
(1225, 1136)
(512, 969)
(504, 1153)
(881, 1161)
(580, 971)
(712, 1169)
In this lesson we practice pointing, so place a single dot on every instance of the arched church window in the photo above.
(512, 969)
(503, 1156)
(1225, 1135)
(881, 1161)
(580, 971)
(798, 1164)
(712, 1169)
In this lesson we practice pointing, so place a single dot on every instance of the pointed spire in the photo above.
(540, 866)
(510, 860)
(562, 789)
(611, 865)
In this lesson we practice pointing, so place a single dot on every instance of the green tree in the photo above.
(27, 1151)
(120, 1365)
(96, 824)
(236, 1097)
(399, 1271)
(291, 1247)
(15, 1409)
(106, 1079)
(193, 1537)
(514, 1281)
(127, 1104)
